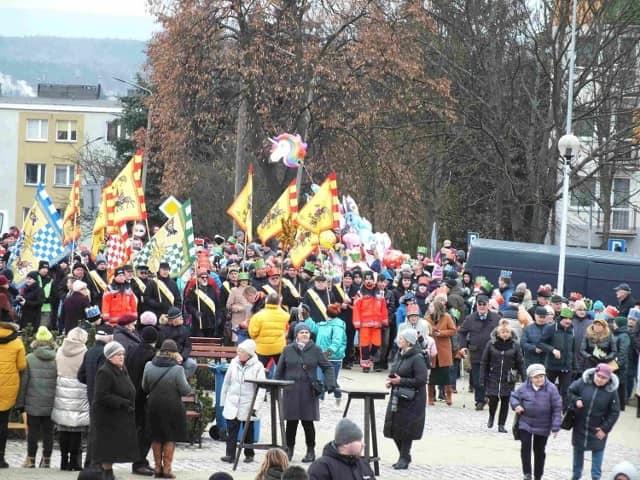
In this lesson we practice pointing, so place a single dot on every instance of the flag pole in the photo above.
(195, 269)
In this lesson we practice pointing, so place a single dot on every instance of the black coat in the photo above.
(474, 333)
(129, 339)
(501, 364)
(135, 363)
(601, 410)
(34, 298)
(606, 344)
(332, 466)
(92, 361)
(555, 337)
(73, 310)
(113, 426)
(204, 316)
(179, 334)
(407, 423)
(299, 400)
(625, 305)
(158, 303)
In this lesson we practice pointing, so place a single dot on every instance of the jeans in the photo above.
(190, 366)
(404, 448)
(504, 408)
(264, 359)
(564, 380)
(309, 433)
(538, 442)
(336, 364)
(597, 456)
(478, 388)
(39, 426)
(233, 429)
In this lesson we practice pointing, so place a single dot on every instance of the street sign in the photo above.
(471, 236)
(617, 245)
(170, 206)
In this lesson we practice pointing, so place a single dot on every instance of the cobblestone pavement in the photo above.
(456, 445)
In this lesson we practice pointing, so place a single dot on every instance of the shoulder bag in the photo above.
(158, 381)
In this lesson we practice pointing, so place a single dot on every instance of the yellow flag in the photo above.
(242, 207)
(100, 225)
(126, 201)
(321, 212)
(306, 242)
(286, 206)
(70, 223)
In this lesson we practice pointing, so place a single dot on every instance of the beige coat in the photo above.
(239, 307)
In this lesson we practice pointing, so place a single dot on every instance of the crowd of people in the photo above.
(546, 357)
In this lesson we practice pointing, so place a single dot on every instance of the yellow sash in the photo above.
(206, 300)
(318, 302)
(140, 284)
(343, 296)
(162, 288)
(292, 288)
(269, 289)
(97, 280)
(227, 286)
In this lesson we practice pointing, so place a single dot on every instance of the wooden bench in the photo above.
(18, 425)
(210, 348)
(193, 409)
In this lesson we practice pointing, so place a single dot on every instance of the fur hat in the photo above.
(347, 432)
(112, 348)
(248, 346)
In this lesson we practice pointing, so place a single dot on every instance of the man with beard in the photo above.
(370, 316)
(201, 301)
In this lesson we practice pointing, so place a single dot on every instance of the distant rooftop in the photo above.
(75, 92)
(60, 104)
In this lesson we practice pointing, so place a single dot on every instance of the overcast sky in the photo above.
(76, 18)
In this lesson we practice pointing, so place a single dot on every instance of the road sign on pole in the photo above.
(471, 236)
(617, 245)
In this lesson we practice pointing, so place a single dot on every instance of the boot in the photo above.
(432, 395)
(108, 474)
(490, 422)
(45, 462)
(290, 449)
(29, 462)
(448, 394)
(156, 448)
(501, 429)
(310, 456)
(168, 449)
(401, 464)
(75, 462)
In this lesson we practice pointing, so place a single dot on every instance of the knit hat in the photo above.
(92, 313)
(43, 264)
(621, 321)
(611, 311)
(300, 326)
(148, 318)
(104, 333)
(598, 305)
(220, 476)
(169, 346)
(566, 312)
(33, 275)
(604, 370)
(413, 309)
(347, 432)
(541, 311)
(127, 319)
(100, 259)
(556, 299)
(112, 348)
(149, 335)
(535, 369)
(248, 346)
(43, 334)
(78, 286)
(174, 313)
(410, 335)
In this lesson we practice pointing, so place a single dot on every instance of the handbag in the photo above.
(406, 393)
(317, 387)
(515, 428)
(568, 419)
(157, 382)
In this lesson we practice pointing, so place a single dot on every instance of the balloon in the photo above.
(351, 240)
(327, 239)
(288, 148)
(393, 259)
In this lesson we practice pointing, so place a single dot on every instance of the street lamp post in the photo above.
(568, 146)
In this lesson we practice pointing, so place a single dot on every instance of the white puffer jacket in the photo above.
(236, 393)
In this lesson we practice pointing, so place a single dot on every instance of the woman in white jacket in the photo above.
(237, 394)
(71, 406)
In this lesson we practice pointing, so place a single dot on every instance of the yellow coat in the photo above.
(268, 328)
(12, 360)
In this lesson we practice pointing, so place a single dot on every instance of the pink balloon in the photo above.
(351, 240)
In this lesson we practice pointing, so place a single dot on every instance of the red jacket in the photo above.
(370, 311)
(118, 303)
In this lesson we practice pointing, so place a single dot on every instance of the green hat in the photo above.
(259, 263)
(309, 267)
(484, 284)
(43, 334)
(422, 250)
(243, 276)
(355, 256)
(566, 312)
(621, 321)
(232, 240)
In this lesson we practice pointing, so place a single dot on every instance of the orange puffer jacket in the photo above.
(117, 303)
(370, 312)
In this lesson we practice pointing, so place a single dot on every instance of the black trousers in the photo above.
(39, 427)
(564, 380)
(71, 447)
(404, 448)
(4, 431)
(144, 442)
(504, 408)
(233, 428)
(538, 442)
(351, 333)
(309, 432)
(622, 391)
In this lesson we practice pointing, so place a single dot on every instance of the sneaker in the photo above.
(227, 459)
(248, 459)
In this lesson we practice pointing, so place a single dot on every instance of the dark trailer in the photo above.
(593, 273)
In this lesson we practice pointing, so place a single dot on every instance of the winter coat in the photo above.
(135, 363)
(236, 393)
(113, 427)
(31, 310)
(203, 318)
(38, 382)
(166, 417)
(475, 333)
(407, 422)
(129, 339)
(268, 328)
(179, 334)
(12, 362)
(623, 345)
(447, 329)
(333, 466)
(580, 326)
(273, 473)
(600, 410)
(605, 343)
(238, 306)
(529, 342)
(92, 361)
(625, 305)
(555, 336)
(332, 338)
(7, 313)
(73, 310)
(153, 293)
(71, 404)
(299, 399)
(326, 297)
(542, 408)
(501, 363)
(116, 303)
(369, 311)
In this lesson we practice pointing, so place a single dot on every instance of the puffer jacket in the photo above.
(268, 328)
(71, 405)
(605, 344)
(38, 382)
(501, 363)
(530, 339)
(237, 394)
(542, 407)
(556, 337)
(332, 338)
(12, 361)
(332, 465)
(116, 303)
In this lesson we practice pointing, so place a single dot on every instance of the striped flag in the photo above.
(285, 207)
(322, 211)
(125, 201)
(70, 223)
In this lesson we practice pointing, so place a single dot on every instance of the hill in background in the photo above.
(27, 61)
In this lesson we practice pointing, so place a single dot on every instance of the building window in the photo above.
(583, 195)
(66, 130)
(37, 130)
(114, 131)
(34, 173)
(63, 175)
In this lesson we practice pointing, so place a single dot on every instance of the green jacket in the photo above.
(38, 382)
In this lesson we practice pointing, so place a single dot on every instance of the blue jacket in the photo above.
(332, 335)
(542, 408)
(530, 340)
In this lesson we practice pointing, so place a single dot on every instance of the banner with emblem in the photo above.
(174, 243)
(304, 244)
(125, 199)
(322, 211)
(70, 223)
(99, 226)
(40, 239)
(285, 207)
(241, 210)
